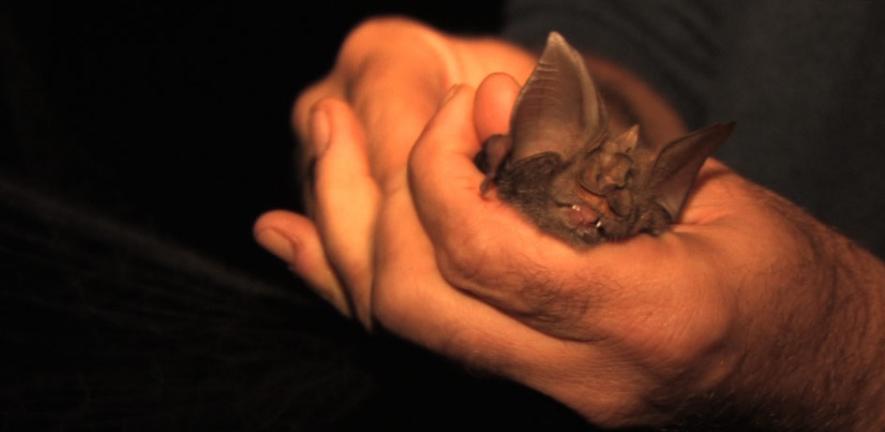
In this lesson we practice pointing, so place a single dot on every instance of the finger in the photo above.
(445, 186)
(444, 181)
(330, 86)
(495, 98)
(294, 239)
(347, 200)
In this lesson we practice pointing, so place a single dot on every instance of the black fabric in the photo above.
(106, 328)
(803, 79)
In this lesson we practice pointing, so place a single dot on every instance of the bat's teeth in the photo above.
(598, 224)
(576, 207)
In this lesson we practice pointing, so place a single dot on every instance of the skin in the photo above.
(747, 308)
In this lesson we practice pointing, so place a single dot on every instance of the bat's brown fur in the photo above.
(561, 168)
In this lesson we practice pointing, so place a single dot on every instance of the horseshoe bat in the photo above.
(560, 167)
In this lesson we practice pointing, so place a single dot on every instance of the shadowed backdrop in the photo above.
(139, 143)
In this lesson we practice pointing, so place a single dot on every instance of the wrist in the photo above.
(812, 340)
(862, 281)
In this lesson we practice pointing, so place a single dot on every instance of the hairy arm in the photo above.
(815, 358)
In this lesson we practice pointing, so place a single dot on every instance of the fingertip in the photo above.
(347, 200)
(294, 239)
(268, 233)
(494, 102)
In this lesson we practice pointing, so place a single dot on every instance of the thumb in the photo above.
(494, 102)
(445, 182)
(442, 157)
(294, 239)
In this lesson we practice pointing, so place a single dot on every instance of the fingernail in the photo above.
(320, 131)
(276, 243)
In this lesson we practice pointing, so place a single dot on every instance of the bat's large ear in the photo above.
(678, 163)
(559, 109)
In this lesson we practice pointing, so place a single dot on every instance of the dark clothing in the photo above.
(105, 327)
(805, 81)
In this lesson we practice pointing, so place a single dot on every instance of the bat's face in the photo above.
(591, 197)
(560, 167)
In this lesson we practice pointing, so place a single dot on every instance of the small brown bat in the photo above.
(560, 167)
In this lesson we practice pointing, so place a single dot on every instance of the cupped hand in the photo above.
(629, 332)
(357, 126)
(606, 331)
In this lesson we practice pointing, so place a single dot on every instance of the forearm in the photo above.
(856, 344)
(812, 356)
(823, 365)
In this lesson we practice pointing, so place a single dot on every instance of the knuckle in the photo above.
(463, 261)
(377, 30)
(373, 44)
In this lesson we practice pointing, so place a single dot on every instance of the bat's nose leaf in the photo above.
(617, 168)
(559, 109)
(591, 175)
(604, 171)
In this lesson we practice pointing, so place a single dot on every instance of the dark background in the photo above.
(174, 116)
(138, 143)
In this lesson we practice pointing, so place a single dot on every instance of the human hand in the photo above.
(627, 333)
(389, 77)
(733, 314)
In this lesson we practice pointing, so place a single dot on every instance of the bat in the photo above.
(561, 168)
